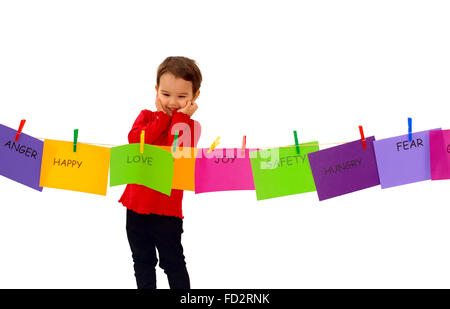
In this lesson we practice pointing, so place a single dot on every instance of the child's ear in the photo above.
(196, 95)
(156, 87)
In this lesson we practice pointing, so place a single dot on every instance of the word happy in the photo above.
(22, 149)
(342, 167)
(139, 159)
(67, 163)
(406, 145)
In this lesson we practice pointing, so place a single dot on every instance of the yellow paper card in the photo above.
(85, 170)
(183, 167)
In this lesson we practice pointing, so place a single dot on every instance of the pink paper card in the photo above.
(223, 169)
(440, 154)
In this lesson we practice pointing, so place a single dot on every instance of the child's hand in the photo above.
(159, 106)
(189, 109)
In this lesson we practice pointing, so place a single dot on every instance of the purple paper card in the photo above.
(401, 162)
(223, 169)
(344, 169)
(21, 160)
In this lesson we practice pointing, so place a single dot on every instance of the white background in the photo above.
(269, 67)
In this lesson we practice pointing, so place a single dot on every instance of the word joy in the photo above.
(224, 160)
(67, 163)
(140, 159)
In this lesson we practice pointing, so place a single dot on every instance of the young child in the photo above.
(154, 220)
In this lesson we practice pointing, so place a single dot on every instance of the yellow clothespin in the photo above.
(214, 145)
(142, 140)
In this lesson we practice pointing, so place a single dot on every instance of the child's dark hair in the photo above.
(181, 67)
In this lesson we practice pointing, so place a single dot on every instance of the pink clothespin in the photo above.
(22, 123)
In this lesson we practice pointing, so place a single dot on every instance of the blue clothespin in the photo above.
(410, 129)
(296, 142)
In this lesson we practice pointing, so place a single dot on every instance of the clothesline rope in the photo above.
(300, 145)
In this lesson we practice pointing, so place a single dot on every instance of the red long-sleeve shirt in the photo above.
(158, 131)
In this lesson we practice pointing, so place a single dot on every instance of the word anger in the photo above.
(22, 149)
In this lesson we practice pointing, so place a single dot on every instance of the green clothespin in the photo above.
(75, 139)
(296, 142)
(175, 141)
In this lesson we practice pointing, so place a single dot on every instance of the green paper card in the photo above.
(282, 171)
(153, 168)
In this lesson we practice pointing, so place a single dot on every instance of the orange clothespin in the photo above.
(22, 123)
(363, 139)
(142, 141)
(214, 144)
(244, 140)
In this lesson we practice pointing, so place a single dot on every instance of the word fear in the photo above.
(406, 145)
(22, 149)
(341, 167)
(67, 163)
(285, 161)
(139, 159)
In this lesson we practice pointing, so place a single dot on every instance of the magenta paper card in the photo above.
(401, 162)
(223, 169)
(21, 160)
(344, 169)
(440, 154)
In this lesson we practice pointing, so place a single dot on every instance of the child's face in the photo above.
(174, 93)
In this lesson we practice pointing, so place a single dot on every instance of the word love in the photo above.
(140, 159)
(224, 160)
(22, 149)
(285, 161)
(342, 167)
(67, 163)
(406, 145)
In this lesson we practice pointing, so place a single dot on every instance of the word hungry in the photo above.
(140, 158)
(406, 145)
(284, 161)
(22, 149)
(344, 166)
(67, 163)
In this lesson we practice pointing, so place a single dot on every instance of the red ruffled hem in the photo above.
(147, 211)
(151, 204)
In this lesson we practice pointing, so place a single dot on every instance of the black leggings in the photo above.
(146, 233)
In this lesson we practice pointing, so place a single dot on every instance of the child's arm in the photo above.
(183, 123)
(154, 123)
